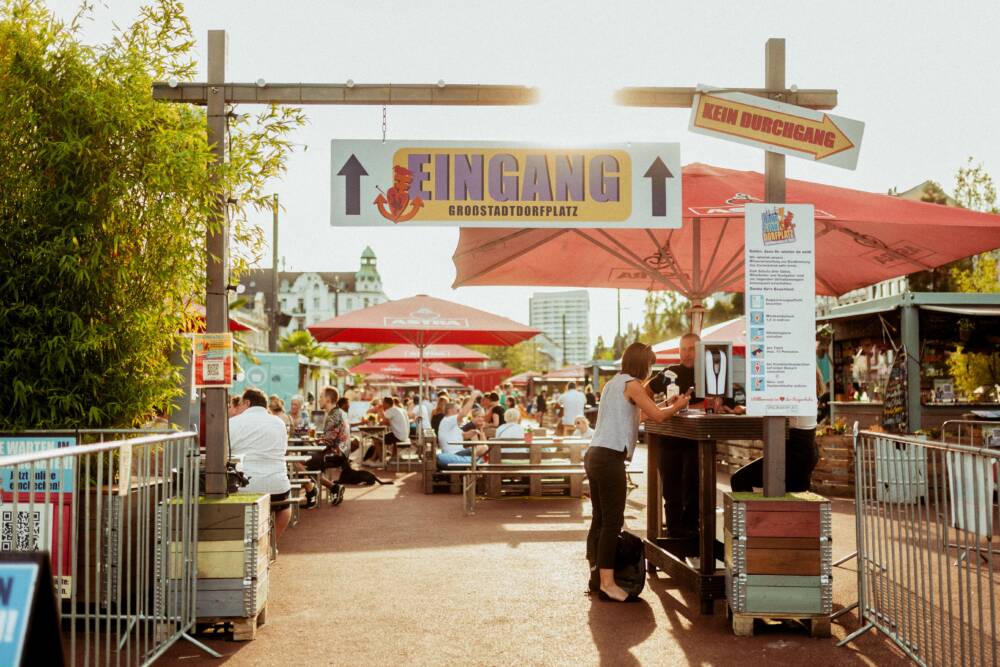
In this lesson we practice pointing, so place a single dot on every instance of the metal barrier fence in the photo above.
(926, 522)
(118, 517)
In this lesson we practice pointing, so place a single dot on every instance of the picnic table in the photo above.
(574, 448)
(669, 554)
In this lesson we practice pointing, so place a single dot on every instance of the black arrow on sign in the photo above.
(353, 170)
(659, 173)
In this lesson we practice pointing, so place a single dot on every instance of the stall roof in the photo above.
(966, 303)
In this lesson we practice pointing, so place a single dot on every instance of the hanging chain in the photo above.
(384, 123)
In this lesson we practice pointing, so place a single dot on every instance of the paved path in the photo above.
(395, 577)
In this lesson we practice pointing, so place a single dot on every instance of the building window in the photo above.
(316, 302)
(366, 302)
(301, 305)
(350, 304)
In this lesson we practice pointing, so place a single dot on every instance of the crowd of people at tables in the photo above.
(260, 428)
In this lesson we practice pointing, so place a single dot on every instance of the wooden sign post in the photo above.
(215, 94)
(774, 193)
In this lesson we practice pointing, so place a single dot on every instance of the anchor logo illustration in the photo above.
(400, 208)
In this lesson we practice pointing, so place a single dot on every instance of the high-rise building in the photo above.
(565, 318)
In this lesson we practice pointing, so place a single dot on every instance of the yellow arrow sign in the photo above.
(782, 128)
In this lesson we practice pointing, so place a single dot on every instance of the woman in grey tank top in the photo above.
(623, 399)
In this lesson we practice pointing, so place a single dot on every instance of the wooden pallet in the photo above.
(818, 624)
(244, 628)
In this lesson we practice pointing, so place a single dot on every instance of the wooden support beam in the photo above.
(774, 193)
(684, 97)
(359, 93)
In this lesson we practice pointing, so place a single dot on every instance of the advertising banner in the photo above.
(34, 524)
(780, 302)
(488, 184)
(213, 360)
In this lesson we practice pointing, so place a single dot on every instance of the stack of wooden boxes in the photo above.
(232, 564)
(778, 559)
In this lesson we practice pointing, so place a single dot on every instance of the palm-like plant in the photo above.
(302, 342)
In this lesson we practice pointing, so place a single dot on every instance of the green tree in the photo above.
(105, 200)
(602, 351)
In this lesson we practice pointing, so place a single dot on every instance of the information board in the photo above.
(780, 299)
(489, 184)
(894, 414)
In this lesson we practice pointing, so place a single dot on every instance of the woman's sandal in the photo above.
(607, 598)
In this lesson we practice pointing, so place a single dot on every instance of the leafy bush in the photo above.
(105, 200)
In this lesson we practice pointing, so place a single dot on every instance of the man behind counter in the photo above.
(679, 456)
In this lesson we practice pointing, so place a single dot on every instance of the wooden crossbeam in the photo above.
(344, 94)
(684, 97)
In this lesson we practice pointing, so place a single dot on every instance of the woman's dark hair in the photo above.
(637, 360)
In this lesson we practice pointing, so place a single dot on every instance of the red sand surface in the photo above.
(396, 577)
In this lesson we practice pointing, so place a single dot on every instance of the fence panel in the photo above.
(106, 505)
(927, 521)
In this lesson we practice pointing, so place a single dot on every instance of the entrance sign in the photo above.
(780, 305)
(778, 127)
(488, 184)
(213, 360)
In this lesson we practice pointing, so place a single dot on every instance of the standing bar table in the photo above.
(669, 554)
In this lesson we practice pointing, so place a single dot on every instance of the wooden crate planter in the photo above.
(778, 559)
(232, 562)
(834, 473)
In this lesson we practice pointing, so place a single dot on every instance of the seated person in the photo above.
(334, 437)
(511, 428)
(394, 416)
(581, 428)
(450, 434)
(260, 441)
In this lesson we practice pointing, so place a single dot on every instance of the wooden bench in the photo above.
(468, 476)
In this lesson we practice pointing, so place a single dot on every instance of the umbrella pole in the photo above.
(420, 408)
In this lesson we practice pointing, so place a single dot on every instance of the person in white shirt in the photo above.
(259, 441)
(573, 402)
(582, 428)
(511, 428)
(450, 434)
(399, 424)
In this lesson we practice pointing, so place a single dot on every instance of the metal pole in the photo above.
(272, 334)
(774, 193)
(619, 330)
(564, 339)
(910, 334)
(216, 299)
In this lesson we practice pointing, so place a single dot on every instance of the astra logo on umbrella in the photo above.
(427, 318)
(400, 208)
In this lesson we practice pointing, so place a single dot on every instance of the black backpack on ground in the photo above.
(630, 564)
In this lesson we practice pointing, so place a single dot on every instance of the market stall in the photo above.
(869, 339)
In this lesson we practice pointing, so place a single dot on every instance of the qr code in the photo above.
(214, 370)
(29, 530)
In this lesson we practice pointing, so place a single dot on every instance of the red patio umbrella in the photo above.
(861, 238)
(422, 321)
(454, 353)
(199, 316)
(408, 369)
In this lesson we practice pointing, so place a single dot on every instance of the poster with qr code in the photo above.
(41, 528)
(213, 360)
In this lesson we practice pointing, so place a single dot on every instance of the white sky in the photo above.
(922, 75)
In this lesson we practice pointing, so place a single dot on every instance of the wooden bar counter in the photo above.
(668, 554)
